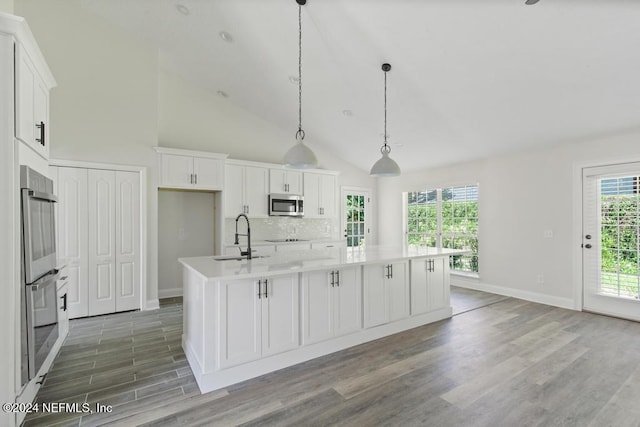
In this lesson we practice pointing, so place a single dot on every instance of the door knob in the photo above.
(588, 246)
(588, 236)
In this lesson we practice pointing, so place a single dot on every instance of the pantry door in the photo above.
(611, 240)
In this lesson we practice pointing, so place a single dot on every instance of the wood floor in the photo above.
(508, 363)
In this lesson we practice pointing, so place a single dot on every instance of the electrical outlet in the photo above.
(540, 279)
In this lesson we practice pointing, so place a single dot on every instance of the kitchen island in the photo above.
(245, 318)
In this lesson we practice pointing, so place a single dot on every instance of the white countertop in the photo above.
(306, 260)
(243, 242)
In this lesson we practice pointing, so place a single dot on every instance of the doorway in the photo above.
(355, 216)
(611, 240)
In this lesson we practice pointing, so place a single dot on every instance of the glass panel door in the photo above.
(611, 246)
(355, 206)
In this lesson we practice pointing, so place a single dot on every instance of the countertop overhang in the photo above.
(214, 267)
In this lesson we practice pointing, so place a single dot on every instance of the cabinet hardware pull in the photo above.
(42, 378)
(391, 269)
(338, 278)
(64, 302)
(266, 288)
(259, 289)
(333, 273)
(195, 178)
(41, 139)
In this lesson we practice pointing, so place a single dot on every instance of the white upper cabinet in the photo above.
(31, 104)
(283, 181)
(319, 195)
(193, 170)
(246, 191)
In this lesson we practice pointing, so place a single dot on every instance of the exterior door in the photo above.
(611, 241)
(355, 207)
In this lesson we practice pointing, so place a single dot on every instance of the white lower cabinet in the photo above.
(386, 293)
(63, 313)
(429, 284)
(331, 303)
(99, 236)
(258, 317)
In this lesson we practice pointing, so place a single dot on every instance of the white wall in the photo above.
(521, 195)
(185, 228)
(105, 106)
(6, 6)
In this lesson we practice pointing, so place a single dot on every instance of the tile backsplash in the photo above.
(284, 228)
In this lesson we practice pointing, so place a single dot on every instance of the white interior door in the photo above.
(355, 216)
(127, 240)
(611, 240)
(102, 250)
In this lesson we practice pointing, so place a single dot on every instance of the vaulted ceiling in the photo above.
(470, 78)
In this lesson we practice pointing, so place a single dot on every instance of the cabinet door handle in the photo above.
(41, 127)
(333, 278)
(338, 278)
(195, 178)
(259, 289)
(266, 288)
(64, 302)
(387, 273)
(391, 270)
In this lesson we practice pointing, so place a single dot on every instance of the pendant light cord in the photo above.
(300, 131)
(385, 108)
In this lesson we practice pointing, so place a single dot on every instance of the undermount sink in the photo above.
(236, 258)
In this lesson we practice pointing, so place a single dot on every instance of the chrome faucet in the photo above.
(237, 242)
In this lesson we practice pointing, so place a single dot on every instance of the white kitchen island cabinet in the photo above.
(331, 304)
(429, 284)
(258, 317)
(244, 318)
(386, 295)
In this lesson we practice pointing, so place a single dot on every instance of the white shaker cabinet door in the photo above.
(348, 301)
(317, 307)
(176, 171)
(439, 284)
(234, 191)
(398, 289)
(419, 285)
(73, 238)
(209, 173)
(102, 245)
(280, 316)
(127, 231)
(240, 322)
(256, 190)
(376, 307)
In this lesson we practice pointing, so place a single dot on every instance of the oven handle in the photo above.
(51, 276)
(42, 196)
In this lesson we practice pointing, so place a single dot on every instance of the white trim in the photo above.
(169, 293)
(151, 304)
(95, 165)
(468, 283)
(182, 152)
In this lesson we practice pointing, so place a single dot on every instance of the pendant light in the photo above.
(300, 156)
(385, 166)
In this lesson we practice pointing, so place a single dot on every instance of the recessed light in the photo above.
(182, 9)
(226, 36)
(347, 113)
(293, 79)
(222, 94)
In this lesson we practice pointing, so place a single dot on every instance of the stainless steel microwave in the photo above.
(286, 205)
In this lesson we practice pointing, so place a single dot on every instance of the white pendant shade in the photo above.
(300, 156)
(385, 166)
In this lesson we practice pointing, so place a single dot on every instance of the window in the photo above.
(446, 218)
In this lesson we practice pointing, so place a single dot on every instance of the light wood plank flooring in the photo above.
(507, 363)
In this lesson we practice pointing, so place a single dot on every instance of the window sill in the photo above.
(466, 274)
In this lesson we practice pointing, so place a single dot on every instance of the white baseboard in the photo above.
(152, 304)
(169, 293)
(475, 284)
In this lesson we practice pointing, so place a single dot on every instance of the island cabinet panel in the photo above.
(429, 284)
(386, 293)
(331, 304)
(258, 317)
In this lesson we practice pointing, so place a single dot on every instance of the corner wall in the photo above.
(6, 6)
(104, 108)
(521, 196)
